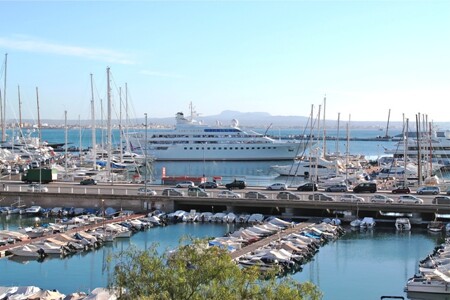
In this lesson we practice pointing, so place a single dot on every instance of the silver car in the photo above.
(351, 198)
(410, 199)
(381, 199)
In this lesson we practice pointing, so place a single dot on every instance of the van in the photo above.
(441, 200)
(428, 190)
(365, 187)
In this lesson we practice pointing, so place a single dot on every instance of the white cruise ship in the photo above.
(193, 140)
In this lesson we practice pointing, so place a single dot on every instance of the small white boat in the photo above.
(356, 223)
(402, 224)
(435, 226)
(28, 251)
(33, 210)
(367, 223)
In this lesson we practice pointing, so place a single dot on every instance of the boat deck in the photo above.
(265, 241)
(5, 249)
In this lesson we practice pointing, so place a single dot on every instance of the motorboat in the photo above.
(435, 226)
(356, 223)
(311, 166)
(28, 251)
(192, 140)
(402, 224)
(33, 210)
(438, 284)
(367, 223)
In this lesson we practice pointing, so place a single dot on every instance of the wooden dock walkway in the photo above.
(265, 241)
(4, 249)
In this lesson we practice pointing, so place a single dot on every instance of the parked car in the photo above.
(351, 198)
(321, 197)
(441, 200)
(337, 188)
(228, 194)
(307, 187)
(236, 184)
(448, 191)
(88, 181)
(197, 192)
(148, 191)
(208, 185)
(277, 186)
(401, 190)
(37, 188)
(381, 199)
(172, 192)
(365, 187)
(184, 184)
(285, 195)
(409, 199)
(428, 190)
(255, 195)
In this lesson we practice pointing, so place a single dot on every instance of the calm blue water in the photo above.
(371, 263)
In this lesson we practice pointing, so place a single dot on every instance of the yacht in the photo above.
(433, 147)
(193, 140)
(402, 224)
(312, 166)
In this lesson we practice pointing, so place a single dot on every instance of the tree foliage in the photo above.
(198, 272)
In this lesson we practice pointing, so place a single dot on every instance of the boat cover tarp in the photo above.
(101, 294)
(47, 295)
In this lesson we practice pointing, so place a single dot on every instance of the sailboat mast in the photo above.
(108, 124)
(324, 127)
(3, 106)
(65, 142)
(419, 154)
(386, 135)
(337, 134)
(20, 109)
(94, 154)
(120, 125)
(38, 115)
(79, 141)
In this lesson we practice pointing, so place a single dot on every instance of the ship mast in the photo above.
(94, 154)
(38, 116)
(3, 106)
(20, 110)
(108, 125)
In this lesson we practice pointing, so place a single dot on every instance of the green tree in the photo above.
(198, 272)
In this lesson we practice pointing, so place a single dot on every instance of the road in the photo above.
(132, 189)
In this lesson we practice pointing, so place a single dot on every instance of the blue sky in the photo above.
(279, 57)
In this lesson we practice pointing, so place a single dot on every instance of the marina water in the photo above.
(373, 263)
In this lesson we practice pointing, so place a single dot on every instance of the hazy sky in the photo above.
(268, 56)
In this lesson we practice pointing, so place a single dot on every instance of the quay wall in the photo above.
(140, 203)
(48, 200)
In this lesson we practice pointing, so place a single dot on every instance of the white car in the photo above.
(409, 199)
(351, 198)
(228, 194)
(277, 186)
(381, 199)
(185, 184)
(150, 192)
(37, 188)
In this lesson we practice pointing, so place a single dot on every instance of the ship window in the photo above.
(190, 148)
(258, 148)
(197, 148)
(236, 148)
(247, 148)
(253, 148)
(242, 148)
(208, 148)
(214, 148)
(264, 147)
(225, 148)
(185, 148)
